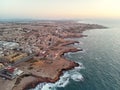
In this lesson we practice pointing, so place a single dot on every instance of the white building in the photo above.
(8, 45)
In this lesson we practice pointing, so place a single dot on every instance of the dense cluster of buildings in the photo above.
(21, 41)
(10, 55)
(6, 47)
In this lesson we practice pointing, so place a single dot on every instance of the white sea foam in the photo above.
(75, 73)
(81, 66)
(68, 54)
(76, 44)
(64, 79)
(77, 77)
(81, 43)
(49, 86)
(39, 87)
(84, 51)
(80, 57)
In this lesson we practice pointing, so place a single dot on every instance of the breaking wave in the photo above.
(74, 75)
(77, 77)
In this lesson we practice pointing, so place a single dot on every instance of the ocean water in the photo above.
(99, 61)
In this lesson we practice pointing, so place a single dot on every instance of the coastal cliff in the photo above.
(47, 42)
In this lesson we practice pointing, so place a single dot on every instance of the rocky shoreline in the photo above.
(38, 79)
(33, 84)
(47, 42)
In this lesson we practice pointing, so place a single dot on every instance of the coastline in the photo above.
(51, 66)
(72, 65)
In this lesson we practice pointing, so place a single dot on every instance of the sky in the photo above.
(60, 8)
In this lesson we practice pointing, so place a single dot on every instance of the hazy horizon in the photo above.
(62, 9)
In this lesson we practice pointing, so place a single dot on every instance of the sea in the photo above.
(99, 61)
